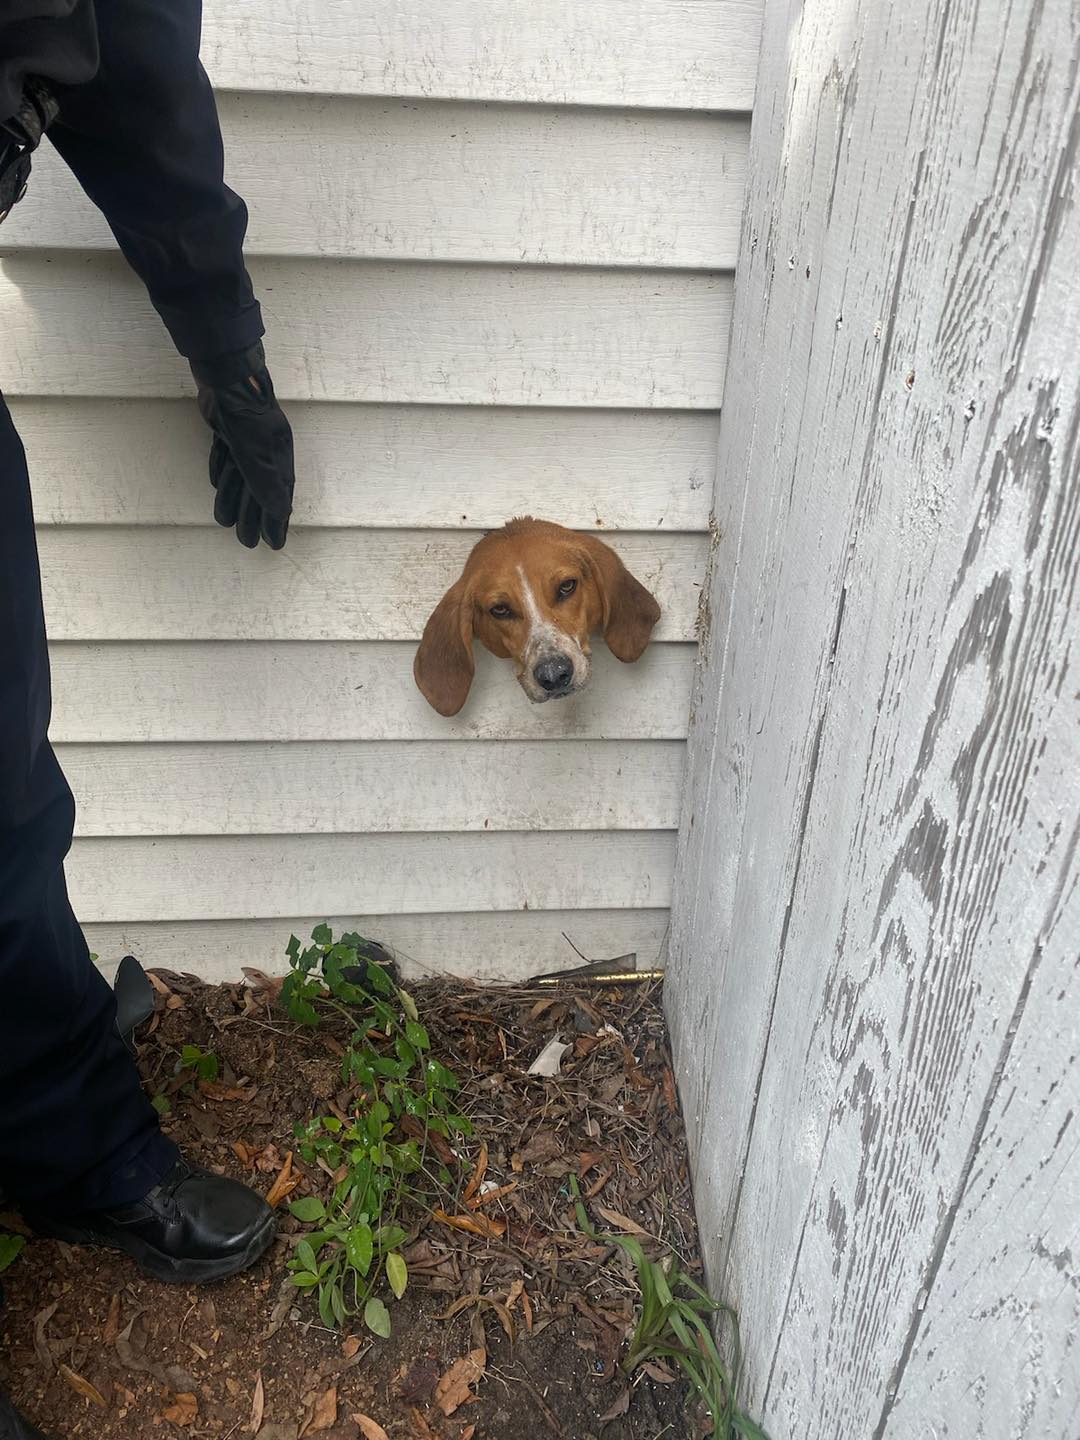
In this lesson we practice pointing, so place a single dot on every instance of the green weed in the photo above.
(379, 1153)
(10, 1249)
(203, 1064)
(673, 1324)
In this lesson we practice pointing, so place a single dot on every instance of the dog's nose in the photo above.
(554, 674)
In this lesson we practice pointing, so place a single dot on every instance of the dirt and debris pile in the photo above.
(514, 1320)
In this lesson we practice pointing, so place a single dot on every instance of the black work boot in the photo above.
(193, 1226)
(14, 1426)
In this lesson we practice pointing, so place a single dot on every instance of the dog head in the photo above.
(533, 592)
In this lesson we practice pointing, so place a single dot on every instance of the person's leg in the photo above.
(80, 1146)
(76, 1130)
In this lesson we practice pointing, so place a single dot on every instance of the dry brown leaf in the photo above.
(621, 1406)
(660, 1373)
(325, 1414)
(477, 1175)
(282, 1305)
(82, 1387)
(350, 1345)
(215, 1090)
(370, 1429)
(622, 1222)
(464, 1301)
(474, 1224)
(455, 1387)
(518, 1292)
(260, 981)
(184, 1412)
(112, 1321)
(258, 1405)
(284, 1184)
(543, 1145)
(461, 1303)
(588, 1160)
(421, 1429)
(41, 1344)
(489, 1195)
(598, 1184)
(467, 1433)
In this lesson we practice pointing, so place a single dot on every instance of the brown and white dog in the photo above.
(533, 592)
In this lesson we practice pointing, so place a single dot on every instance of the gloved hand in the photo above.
(19, 138)
(251, 457)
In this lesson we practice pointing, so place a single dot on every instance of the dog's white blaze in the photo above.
(546, 639)
(540, 630)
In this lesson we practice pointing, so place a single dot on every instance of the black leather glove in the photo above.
(251, 458)
(19, 138)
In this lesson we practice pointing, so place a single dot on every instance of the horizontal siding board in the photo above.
(374, 787)
(187, 691)
(608, 52)
(231, 878)
(386, 465)
(478, 946)
(371, 331)
(392, 180)
(169, 584)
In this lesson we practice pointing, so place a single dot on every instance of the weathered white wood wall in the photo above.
(500, 282)
(876, 929)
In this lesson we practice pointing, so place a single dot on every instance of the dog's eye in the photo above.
(567, 588)
(500, 612)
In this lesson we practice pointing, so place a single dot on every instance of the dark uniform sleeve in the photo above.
(54, 40)
(142, 137)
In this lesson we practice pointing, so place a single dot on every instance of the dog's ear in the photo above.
(629, 611)
(444, 666)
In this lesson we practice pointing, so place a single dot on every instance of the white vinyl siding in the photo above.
(494, 249)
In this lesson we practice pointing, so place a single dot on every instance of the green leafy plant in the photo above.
(673, 1324)
(203, 1064)
(10, 1249)
(378, 1155)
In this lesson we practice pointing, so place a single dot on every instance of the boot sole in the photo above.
(173, 1270)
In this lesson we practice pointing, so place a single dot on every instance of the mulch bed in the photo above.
(515, 1335)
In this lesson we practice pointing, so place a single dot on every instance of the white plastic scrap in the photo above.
(549, 1061)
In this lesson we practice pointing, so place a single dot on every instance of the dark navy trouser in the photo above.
(142, 137)
(76, 1130)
